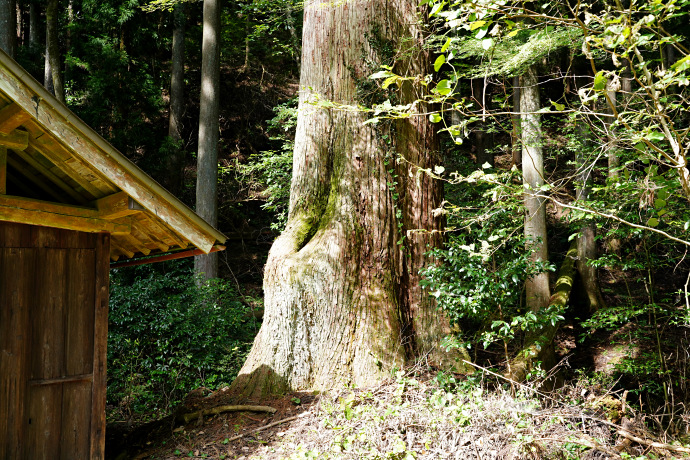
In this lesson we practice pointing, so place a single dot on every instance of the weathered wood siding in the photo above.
(53, 332)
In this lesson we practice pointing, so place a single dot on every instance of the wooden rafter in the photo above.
(24, 155)
(21, 186)
(160, 229)
(136, 244)
(3, 170)
(18, 140)
(147, 238)
(117, 205)
(12, 117)
(67, 169)
(119, 247)
(43, 213)
(35, 180)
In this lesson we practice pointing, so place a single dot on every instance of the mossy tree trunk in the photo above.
(343, 305)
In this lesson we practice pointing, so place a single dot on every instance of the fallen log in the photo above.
(539, 345)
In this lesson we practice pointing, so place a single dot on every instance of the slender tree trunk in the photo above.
(343, 303)
(611, 150)
(177, 100)
(536, 288)
(517, 150)
(586, 241)
(626, 80)
(34, 14)
(53, 50)
(290, 21)
(8, 27)
(48, 73)
(18, 24)
(207, 155)
(68, 41)
(247, 21)
(481, 139)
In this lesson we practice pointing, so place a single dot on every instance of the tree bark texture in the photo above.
(8, 27)
(343, 304)
(33, 25)
(34, 14)
(53, 50)
(537, 287)
(207, 155)
(177, 100)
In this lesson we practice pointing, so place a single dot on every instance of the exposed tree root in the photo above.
(265, 427)
(186, 418)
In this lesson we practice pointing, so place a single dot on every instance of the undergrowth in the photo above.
(417, 417)
(168, 336)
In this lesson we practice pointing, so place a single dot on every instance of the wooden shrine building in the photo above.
(69, 205)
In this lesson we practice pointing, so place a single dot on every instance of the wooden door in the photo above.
(53, 327)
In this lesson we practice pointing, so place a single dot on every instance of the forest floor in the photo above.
(415, 415)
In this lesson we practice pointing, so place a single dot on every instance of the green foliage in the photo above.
(112, 76)
(167, 336)
(270, 172)
(478, 277)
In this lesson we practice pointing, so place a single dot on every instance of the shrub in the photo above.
(168, 336)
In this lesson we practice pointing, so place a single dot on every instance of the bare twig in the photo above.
(649, 443)
(270, 425)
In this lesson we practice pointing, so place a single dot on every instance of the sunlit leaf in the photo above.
(438, 63)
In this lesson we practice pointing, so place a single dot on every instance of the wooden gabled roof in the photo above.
(56, 171)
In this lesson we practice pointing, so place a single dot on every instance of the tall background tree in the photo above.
(174, 176)
(53, 75)
(8, 28)
(207, 153)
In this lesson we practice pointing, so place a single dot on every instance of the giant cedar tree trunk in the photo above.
(536, 288)
(343, 303)
(207, 155)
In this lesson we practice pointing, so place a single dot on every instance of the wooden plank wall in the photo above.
(53, 333)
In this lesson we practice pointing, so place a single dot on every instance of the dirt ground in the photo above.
(231, 435)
